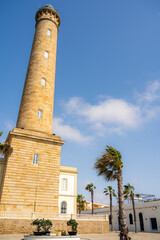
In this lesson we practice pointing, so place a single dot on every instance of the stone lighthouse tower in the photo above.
(36, 110)
(31, 178)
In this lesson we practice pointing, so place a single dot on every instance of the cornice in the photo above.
(34, 135)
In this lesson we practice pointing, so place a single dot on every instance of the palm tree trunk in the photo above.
(111, 211)
(92, 200)
(123, 225)
(134, 213)
(79, 207)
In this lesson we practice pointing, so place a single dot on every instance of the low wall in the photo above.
(23, 226)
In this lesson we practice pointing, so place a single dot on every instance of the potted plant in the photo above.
(58, 232)
(63, 233)
(73, 223)
(43, 226)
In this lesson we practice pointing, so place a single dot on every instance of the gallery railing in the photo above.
(33, 215)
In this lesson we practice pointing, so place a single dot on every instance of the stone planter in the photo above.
(72, 233)
(51, 237)
(42, 233)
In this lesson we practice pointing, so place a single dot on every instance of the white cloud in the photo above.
(110, 114)
(117, 115)
(70, 133)
(110, 111)
(151, 93)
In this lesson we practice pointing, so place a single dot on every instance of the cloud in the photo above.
(114, 115)
(69, 132)
(151, 93)
(111, 114)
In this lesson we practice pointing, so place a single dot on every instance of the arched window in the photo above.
(130, 218)
(46, 54)
(141, 221)
(43, 82)
(119, 223)
(63, 207)
(35, 158)
(49, 32)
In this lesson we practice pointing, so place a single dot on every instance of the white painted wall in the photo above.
(70, 204)
(149, 210)
(69, 195)
(70, 188)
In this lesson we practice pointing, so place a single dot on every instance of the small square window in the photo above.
(46, 54)
(43, 82)
(48, 32)
(39, 114)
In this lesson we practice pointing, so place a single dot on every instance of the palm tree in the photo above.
(129, 193)
(90, 187)
(110, 166)
(111, 192)
(80, 201)
(138, 196)
(3, 146)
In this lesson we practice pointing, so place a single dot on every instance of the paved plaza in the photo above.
(110, 236)
(114, 236)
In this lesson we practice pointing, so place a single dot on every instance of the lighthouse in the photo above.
(32, 166)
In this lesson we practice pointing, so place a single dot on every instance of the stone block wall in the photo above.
(29, 187)
(23, 226)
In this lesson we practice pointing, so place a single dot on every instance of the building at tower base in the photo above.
(27, 186)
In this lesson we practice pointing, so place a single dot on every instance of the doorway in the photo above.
(141, 222)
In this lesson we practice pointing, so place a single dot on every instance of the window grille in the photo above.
(63, 207)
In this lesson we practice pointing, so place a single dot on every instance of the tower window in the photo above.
(64, 184)
(48, 32)
(39, 114)
(43, 82)
(63, 207)
(35, 158)
(46, 54)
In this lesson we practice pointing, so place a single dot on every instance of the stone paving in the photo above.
(110, 236)
(114, 236)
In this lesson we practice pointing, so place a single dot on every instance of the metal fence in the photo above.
(52, 216)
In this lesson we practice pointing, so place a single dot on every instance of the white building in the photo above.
(68, 190)
(147, 214)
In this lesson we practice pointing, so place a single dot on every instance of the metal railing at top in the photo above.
(52, 216)
(91, 217)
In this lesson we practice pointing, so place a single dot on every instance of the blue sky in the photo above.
(107, 83)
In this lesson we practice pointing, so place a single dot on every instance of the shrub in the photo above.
(42, 225)
(73, 223)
